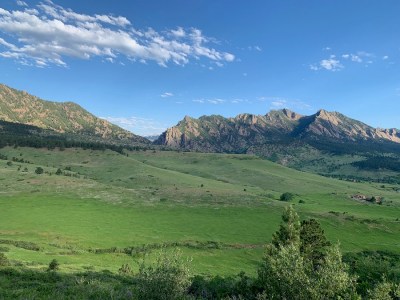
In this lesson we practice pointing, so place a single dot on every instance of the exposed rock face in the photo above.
(238, 134)
(67, 117)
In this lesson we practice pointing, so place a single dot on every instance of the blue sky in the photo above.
(146, 64)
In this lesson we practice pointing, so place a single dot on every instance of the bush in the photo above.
(167, 279)
(3, 260)
(286, 197)
(39, 170)
(53, 265)
(125, 270)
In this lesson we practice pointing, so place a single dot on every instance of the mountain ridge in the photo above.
(68, 117)
(219, 134)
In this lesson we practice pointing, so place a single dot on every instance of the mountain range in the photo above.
(246, 131)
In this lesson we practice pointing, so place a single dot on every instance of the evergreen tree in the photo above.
(313, 243)
(287, 272)
(289, 231)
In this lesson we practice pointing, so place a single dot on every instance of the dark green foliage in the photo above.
(3, 260)
(32, 284)
(125, 270)
(218, 287)
(313, 243)
(143, 249)
(39, 170)
(58, 172)
(21, 244)
(379, 162)
(15, 134)
(371, 266)
(54, 265)
(289, 273)
(286, 196)
(9, 163)
(289, 230)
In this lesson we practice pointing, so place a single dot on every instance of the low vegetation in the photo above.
(299, 263)
(98, 213)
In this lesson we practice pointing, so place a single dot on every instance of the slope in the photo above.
(61, 117)
(219, 208)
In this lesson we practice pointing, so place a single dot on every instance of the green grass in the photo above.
(151, 198)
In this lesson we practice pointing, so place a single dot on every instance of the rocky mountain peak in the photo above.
(331, 117)
(291, 114)
(246, 131)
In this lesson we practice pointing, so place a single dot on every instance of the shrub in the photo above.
(53, 265)
(3, 260)
(125, 270)
(286, 197)
(39, 170)
(167, 279)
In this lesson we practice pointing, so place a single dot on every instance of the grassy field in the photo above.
(219, 209)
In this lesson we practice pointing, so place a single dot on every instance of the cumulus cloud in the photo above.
(138, 125)
(353, 57)
(330, 64)
(48, 34)
(336, 64)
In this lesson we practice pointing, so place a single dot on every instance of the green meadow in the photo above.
(105, 209)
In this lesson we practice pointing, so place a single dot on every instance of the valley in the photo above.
(220, 209)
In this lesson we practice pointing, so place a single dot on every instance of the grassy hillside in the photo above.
(106, 209)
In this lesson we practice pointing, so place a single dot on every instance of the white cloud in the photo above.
(279, 103)
(210, 101)
(138, 125)
(385, 57)
(256, 48)
(334, 64)
(50, 33)
(353, 57)
(216, 101)
(330, 64)
(179, 32)
(21, 3)
(166, 95)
